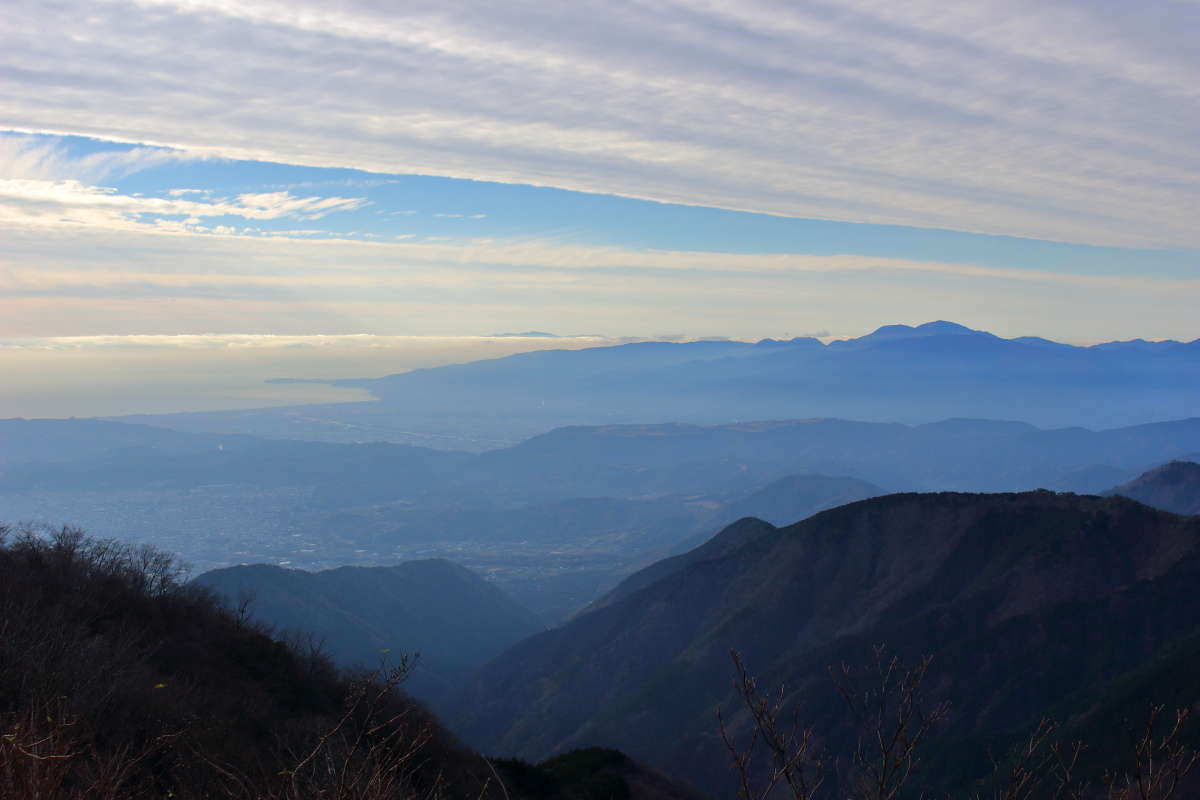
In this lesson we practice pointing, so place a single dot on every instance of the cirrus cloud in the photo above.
(1073, 120)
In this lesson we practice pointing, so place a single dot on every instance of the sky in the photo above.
(181, 180)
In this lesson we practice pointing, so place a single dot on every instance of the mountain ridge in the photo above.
(977, 580)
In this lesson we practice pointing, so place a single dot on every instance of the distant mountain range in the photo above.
(898, 373)
(446, 616)
(1171, 487)
(556, 520)
(956, 454)
(1024, 600)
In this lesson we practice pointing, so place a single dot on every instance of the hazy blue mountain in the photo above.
(1171, 487)
(557, 520)
(366, 616)
(798, 497)
(898, 373)
(973, 455)
(1022, 599)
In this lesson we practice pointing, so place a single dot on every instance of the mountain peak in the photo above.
(942, 326)
(939, 327)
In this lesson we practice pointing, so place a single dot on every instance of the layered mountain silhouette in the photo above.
(636, 461)
(1022, 600)
(1171, 487)
(898, 373)
(117, 681)
(798, 497)
(928, 372)
(958, 454)
(444, 615)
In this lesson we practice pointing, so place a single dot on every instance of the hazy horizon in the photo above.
(110, 376)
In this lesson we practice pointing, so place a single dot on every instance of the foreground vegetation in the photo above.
(119, 681)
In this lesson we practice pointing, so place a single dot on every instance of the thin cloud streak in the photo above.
(1073, 121)
(92, 280)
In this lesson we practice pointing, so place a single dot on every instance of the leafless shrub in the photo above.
(885, 700)
(791, 755)
(1160, 762)
(1040, 766)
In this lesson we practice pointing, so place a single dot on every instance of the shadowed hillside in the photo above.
(1022, 599)
(118, 682)
(447, 616)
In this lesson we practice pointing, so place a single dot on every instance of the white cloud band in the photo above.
(1075, 120)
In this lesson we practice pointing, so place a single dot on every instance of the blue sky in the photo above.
(684, 168)
(425, 206)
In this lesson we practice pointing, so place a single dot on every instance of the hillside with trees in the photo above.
(120, 682)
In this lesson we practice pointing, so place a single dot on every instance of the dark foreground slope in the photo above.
(1171, 487)
(449, 617)
(1022, 599)
(119, 683)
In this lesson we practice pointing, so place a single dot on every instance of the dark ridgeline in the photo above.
(1022, 599)
(451, 619)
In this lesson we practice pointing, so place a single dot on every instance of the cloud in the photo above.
(85, 280)
(1073, 120)
(38, 159)
(246, 341)
(41, 202)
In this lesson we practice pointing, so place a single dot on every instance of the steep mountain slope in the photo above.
(366, 616)
(1171, 487)
(1021, 598)
(730, 539)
